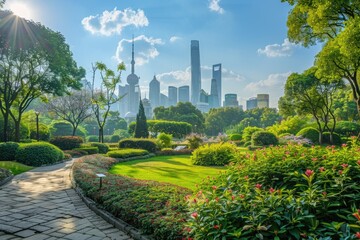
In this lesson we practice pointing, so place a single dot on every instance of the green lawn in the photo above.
(177, 170)
(16, 168)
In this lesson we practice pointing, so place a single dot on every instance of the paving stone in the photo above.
(9, 229)
(25, 233)
(38, 237)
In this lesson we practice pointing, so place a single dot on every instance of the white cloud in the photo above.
(113, 22)
(277, 50)
(145, 49)
(215, 7)
(174, 39)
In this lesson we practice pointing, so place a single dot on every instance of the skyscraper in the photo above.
(184, 94)
(214, 97)
(195, 72)
(164, 100)
(172, 95)
(231, 100)
(216, 74)
(154, 92)
(251, 103)
(262, 100)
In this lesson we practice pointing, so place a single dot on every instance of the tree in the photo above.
(141, 129)
(73, 108)
(115, 122)
(103, 98)
(34, 61)
(218, 119)
(344, 106)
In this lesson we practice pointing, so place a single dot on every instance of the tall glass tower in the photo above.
(195, 72)
(216, 73)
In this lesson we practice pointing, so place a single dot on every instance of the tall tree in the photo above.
(34, 61)
(141, 129)
(73, 108)
(103, 98)
(220, 118)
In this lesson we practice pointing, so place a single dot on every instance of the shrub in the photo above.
(103, 148)
(44, 133)
(170, 151)
(248, 132)
(8, 151)
(314, 187)
(336, 139)
(63, 128)
(346, 128)
(89, 150)
(122, 133)
(92, 138)
(76, 153)
(67, 142)
(310, 133)
(248, 143)
(115, 138)
(139, 143)
(263, 138)
(217, 154)
(164, 140)
(194, 141)
(127, 153)
(291, 139)
(235, 137)
(177, 129)
(37, 154)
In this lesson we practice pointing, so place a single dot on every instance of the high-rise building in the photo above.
(195, 72)
(216, 74)
(184, 94)
(172, 95)
(214, 97)
(124, 101)
(262, 100)
(154, 92)
(251, 103)
(204, 96)
(147, 108)
(164, 100)
(231, 100)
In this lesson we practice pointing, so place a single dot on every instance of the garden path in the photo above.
(40, 204)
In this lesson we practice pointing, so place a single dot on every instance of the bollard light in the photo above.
(101, 176)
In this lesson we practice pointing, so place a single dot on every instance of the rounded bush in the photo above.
(115, 138)
(249, 131)
(67, 142)
(346, 128)
(235, 137)
(217, 154)
(336, 138)
(37, 154)
(92, 138)
(8, 151)
(89, 150)
(103, 148)
(310, 133)
(164, 140)
(139, 143)
(263, 138)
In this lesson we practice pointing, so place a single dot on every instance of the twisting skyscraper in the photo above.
(216, 74)
(195, 72)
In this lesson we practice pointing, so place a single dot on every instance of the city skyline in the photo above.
(247, 37)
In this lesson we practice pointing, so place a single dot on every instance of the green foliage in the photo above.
(139, 143)
(141, 129)
(336, 139)
(63, 128)
(103, 148)
(164, 140)
(248, 132)
(280, 193)
(24, 131)
(218, 119)
(44, 133)
(127, 153)
(92, 138)
(235, 137)
(218, 154)
(346, 128)
(156, 208)
(67, 142)
(122, 133)
(263, 138)
(8, 151)
(310, 133)
(291, 125)
(37, 154)
(89, 150)
(194, 141)
(15, 167)
(114, 138)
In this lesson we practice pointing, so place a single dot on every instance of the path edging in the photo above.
(6, 180)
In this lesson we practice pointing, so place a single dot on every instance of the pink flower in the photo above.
(358, 162)
(214, 187)
(343, 145)
(321, 169)
(206, 200)
(344, 165)
(233, 197)
(357, 235)
(195, 215)
(258, 186)
(314, 159)
(271, 190)
(340, 172)
(242, 196)
(247, 177)
(216, 226)
(324, 194)
(195, 200)
(217, 199)
(309, 172)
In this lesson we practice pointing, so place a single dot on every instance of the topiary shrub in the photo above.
(67, 142)
(235, 137)
(44, 133)
(217, 154)
(127, 153)
(92, 138)
(248, 132)
(336, 139)
(164, 140)
(8, 151)
(103, 148)
(139, 143)
(37, 154)
(263, 138)
(310, 133)
(115, 138)
(89, 150)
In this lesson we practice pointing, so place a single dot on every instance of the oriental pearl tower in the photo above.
(134, 94)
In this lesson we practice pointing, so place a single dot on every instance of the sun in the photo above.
(20, 9)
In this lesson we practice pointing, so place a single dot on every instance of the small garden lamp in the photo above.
(101, 176)
(37, 125)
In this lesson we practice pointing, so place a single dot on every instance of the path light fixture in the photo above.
(37, 125)
(101, 176)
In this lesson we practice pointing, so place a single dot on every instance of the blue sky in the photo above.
(249, 38)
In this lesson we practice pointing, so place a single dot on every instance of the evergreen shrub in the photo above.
(310, 133)
(139, 143)
(263, 138)
(67, 142)
(127, 153)
(89, 150)
(8, 151)
(336, 138)
(103, 148)
(217, 154)
(235, 137)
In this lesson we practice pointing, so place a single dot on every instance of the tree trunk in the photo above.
(320, 137)
(6, 127)
(17, 130)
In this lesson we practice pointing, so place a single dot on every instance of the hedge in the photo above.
(89, 150)
(177, 129)
(103, 148)
(8, 151)
(263, 138)
(139, 143)
(126, 153)
(67, 142)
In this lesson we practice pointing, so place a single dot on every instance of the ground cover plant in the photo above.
(177, 170)
(156, 208)
(14, 167)
(283, 192)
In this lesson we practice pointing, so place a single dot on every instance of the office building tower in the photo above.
(172, 95)
(164, 100)
(214, 98)
(124, 101)
(147, 108)
(251, 103)
(195, 72)
(154, 92)
(262, 100)
(204, 96)
(216, 74)
(184, 94)
(231, 100)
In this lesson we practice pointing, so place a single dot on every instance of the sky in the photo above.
(248, 37)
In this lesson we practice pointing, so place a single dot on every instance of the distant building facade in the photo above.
(195, 72)
(262, 100)
(164, 100)
(147, 108)
(214, 97)
(217, 74)
(172, 95)
(184, 94)
(231, 100)
(251, 103)
(154, 92)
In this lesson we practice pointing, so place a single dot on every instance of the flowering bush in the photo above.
(309, 133)
(280, 193)
(194, 141)
(291, 139)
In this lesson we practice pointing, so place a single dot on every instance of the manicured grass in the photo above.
(16, 168)
(177, 170)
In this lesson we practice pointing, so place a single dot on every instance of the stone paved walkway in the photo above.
(40, 204)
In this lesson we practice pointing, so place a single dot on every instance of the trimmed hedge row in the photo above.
(139, 143)
(8, 151)
(126, 153)
(67, 142)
